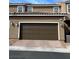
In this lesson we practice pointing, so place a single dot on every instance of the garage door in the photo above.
(39, 31)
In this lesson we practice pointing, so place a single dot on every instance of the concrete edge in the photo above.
(20, 48)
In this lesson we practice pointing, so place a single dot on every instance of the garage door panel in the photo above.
(43, 32)
(39, 38)
(39, 31)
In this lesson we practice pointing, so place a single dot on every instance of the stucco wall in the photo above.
(48, 9)
(12, 8)
(63, 7)
(43, 9)
(14, 30)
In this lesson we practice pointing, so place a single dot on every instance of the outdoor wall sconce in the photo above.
(17, 25)
(12, 24)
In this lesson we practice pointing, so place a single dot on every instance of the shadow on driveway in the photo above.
(37, 55)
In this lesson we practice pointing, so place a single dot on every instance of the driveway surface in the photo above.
(40, 43)
(37, 55)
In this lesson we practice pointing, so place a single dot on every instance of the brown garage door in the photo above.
(39, 31)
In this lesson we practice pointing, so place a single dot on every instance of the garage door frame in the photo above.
(38, 22)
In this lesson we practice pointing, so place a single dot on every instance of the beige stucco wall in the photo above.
(12, 8)
(48, 9)
(63, 7)
(14, 30)
(43, 9)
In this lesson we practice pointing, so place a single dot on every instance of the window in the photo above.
(56, 9)
(29, 9)
(25, 8)
(20, 9)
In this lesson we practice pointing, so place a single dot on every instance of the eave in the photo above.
(38, 14)
(29, 4)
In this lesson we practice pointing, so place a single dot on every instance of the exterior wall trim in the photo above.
(38, 14)
(39, 22)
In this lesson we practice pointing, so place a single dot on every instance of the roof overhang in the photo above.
(29, 4)
(38, 14)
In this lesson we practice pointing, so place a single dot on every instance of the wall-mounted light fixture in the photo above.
(17, 25)
(12, 24)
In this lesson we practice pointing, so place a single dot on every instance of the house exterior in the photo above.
(38, 21)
